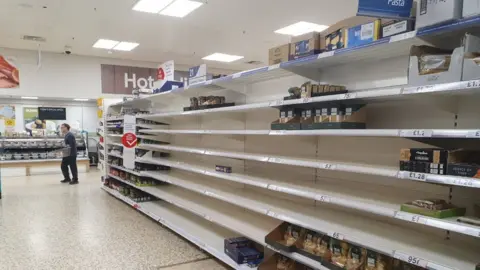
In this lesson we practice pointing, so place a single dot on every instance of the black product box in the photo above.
(224, 169)
(393, 28)
(204, 107)
(423, 167)
(439, 156)
(241, 250)
(290, 112)
(465, 170)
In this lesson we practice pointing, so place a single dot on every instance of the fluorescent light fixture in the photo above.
(221, 57)
(181, 8)
(151, 6)
(29, 97)
(105, 44)
(301, 28)
(125, 46)
(80, 99)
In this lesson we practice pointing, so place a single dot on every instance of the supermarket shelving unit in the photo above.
(344, 183)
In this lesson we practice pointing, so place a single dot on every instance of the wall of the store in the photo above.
(83, 113)
(66, 76)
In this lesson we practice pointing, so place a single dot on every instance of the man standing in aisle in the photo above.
(71, 159)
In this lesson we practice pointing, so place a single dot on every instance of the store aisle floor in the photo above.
(48, 225)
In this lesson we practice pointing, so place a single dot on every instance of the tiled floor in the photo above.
(48, 225)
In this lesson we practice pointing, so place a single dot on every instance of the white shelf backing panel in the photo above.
(325, 165)
(196, 230)
(114, 118)
(376, 235)
(151, 126)
(380, 201)
(115, 144)
(115, 155)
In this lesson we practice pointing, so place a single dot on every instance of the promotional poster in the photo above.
(9, 74)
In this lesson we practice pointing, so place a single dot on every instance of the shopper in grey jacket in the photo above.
(71, 160)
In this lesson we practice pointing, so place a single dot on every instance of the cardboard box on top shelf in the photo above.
(471, 60)
(363, 34)
(335, 34)
(430, 65)
(393, 27)
(435, 12)
(471, 8)
(279, 54)
(285, 237)
(306, 45)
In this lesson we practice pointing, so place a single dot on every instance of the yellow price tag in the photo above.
(9, 122)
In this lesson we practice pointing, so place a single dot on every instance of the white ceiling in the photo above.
(240, 27)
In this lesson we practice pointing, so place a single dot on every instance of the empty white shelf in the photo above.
(367, 201)
(194, 229)
(115, 155)
(124, 169)
(325, 165)
(389, 93)
(404, 133)
(393, 240)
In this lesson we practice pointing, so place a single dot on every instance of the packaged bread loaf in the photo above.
(339, 250)
(356, 258)
(310, 241)
(291, 235)
(284, 263)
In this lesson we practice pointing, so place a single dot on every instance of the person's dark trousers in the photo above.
(72, 163)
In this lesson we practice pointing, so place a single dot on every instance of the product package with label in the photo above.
(377, 261)
(279, 54)
(430, 65)
(310, 44)
(435, 12)
(289, 119)
(285, 237)
(393, 28)
(436, 208)
(339, 250)
(279, 262)
(337, 116)
(363, 34)
(242, 250)
(315, 246)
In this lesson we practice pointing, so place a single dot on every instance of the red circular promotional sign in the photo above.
(129, 140)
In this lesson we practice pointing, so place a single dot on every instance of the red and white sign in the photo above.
(129, 140)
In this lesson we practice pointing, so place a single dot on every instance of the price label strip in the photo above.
(409, 217)
(276, 103)
(338, 236)
(410, 259)
(413, 176)
(473, 84)
(328, 166)
(474, 134)
(417, 133)
(323, 198)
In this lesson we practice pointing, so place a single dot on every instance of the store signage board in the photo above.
(385, 8)
(124, 79)
(197, 74)
(165, 71)
(129, 128)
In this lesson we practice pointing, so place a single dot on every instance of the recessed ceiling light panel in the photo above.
(181, 8)
(80, 99)
(29, 97)
(221, 57)
(125, 46)
(151, 6)
(105, 44)
(301, 28)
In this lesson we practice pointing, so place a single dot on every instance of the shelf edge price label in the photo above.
(272, 214)
(276, 103)
(323, 198)
(473, 84)
(417, 176)
(473, 134)
(307, 100)
(422, 133)
(462, 182)
(328, 166)
(274, 67)
(410, 259)
(350, 95)
(338, 236)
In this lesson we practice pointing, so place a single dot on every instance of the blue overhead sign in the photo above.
(385, 8)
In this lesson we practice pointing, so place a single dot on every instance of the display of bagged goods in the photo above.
(436, 208)
(356, 258)
(285, 263)
(340, 251)
(315, 246)
(431, 60)
(377, 261)
(285, 237)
